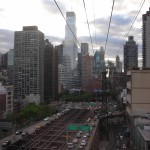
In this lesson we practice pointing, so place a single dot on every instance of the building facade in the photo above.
(10, 65)
(29, 62)
(146, 39)
(86, 72)
(130, 54)
(137, 106)
(138, 92)
(6, 100)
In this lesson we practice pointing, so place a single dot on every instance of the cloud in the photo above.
(51, 7)
(54, 40)
(6, 40)
(121, 20)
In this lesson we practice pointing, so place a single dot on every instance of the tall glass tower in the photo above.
(70, 45)
(99, 61)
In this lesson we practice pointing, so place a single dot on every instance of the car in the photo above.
(18, 132)
(124, 146)
(80, 147)
(54, 147)
(38, 126)
(89, 119)
(80, 132)
(24, 133)
(75, 141)
(6, 143)
(70, 145)
(46, 119)
(93, 124)
(121, 137)
(78, 135)
(83, 143)
(88, 134)
(85, 137)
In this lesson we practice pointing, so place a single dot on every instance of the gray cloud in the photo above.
(54, 40)
(51, 7)
(121, 20)
(6, 40)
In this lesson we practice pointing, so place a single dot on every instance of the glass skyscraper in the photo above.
(99, 62)
(70, 45)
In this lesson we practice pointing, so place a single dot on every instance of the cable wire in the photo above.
(88, 26)
(67, 23)
(109, 23)
(131, 26)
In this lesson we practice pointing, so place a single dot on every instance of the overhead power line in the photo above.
(88, 26)
(109, 23)
(142, 3)
(67, 23)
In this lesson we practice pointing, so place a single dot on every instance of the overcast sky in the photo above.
(14, 14)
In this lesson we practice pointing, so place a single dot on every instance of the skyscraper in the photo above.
(50, 72)
(130, 54)
(118, 64)
(84, 49)
(99, 62)
(29, 63)
(70, 45)
(146, 39)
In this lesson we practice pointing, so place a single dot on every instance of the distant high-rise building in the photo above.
(70, 44)
(99, 62)
(59, 51)
(118, 64)
(86, 71)
(50, 72)
(29, 62)
(146, 39)
(130, 54)
(84, 49)
(4, 60)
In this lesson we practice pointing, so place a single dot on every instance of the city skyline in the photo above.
(16, 14)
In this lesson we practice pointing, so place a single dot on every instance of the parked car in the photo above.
(18, 132)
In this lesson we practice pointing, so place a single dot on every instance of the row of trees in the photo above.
(30, 113)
